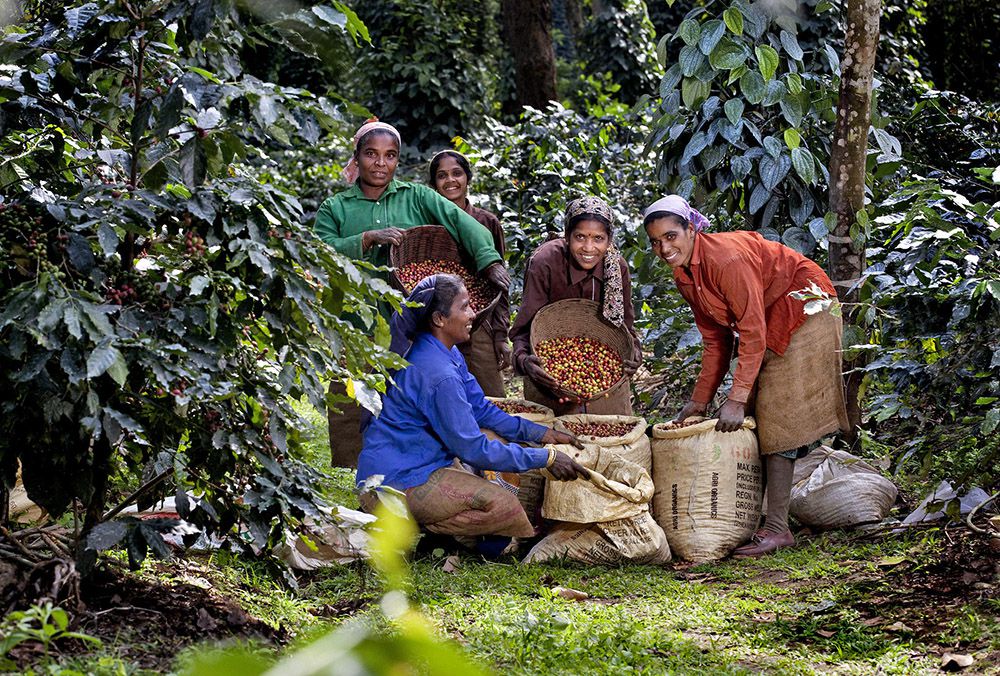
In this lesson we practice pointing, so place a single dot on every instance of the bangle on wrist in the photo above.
(552, 457)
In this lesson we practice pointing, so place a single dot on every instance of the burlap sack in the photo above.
(637, 539)
(834, 489)
(543, 415)
(633, 445)
(708, 487)
(530, 484)
(622, 489)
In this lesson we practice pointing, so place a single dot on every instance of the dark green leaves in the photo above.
(711, 32)
(791, 45)
(752, 86)
(767, 60)
(804, 165)
(734, 110)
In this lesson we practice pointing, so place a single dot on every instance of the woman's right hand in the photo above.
(384, 236)
(532, 367)
(565, 468)
(691, 408)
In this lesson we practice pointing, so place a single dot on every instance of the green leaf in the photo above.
(101, 359)
(694, 91)
(711, 32)
(804, 164)
(753, 87)
(773, 146)
(690, 59)
(791, 45)
(767, 60)
(694, 146)
(990, 421)
(106, 535)
(661, 51)
(108, 239)
(773, 170)
(734, 110)
(690, 31)
(670, 80)
(728, 55)
(792, 139)
(734, 20)
(741, 166)
(794, 82)
(791, 109)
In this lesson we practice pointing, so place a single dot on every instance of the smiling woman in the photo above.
(435, 413)
(487, 353)
(583, 264)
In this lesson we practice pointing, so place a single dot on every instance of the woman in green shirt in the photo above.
(365, 219)
(361, 221)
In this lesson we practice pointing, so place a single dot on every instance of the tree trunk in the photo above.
(574, 17)
(847, 165)
(528, 32)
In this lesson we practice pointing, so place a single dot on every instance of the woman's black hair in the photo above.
(657, 215)
(579, 218)
(446, 288)
(370, 135)
(462, 160)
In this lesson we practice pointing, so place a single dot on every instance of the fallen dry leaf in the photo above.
(571, 594)
(825, 633)
(451, 564)
(872, 621)
(956, 661)
(898, 627)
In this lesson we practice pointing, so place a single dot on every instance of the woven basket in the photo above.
(433, 242)
(580, 318)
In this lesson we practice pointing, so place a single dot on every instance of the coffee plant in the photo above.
(162, 308)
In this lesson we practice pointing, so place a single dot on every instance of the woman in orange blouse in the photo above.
(738, 284)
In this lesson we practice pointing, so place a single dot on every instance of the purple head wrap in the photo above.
(677, 205)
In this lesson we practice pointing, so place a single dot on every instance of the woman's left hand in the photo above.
(501, 349)
(730, 416)
(632, 364)
(556, 437)
(497, 274)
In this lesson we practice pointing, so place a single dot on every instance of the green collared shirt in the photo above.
(345, 217)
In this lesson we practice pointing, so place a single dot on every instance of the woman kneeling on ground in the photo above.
(434, 414)
(739, 283)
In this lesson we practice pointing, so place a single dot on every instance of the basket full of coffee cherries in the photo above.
(429, 250)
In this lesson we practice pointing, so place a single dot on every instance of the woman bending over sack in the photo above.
(433, 415)
(487, 353)
(738, 283)
(583, 264)
(364, 220)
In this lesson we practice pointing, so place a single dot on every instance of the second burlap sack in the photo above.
(531, 484)
(621, 489)
(708, 487)
(636, 539)
(834, 489)
(633, 445)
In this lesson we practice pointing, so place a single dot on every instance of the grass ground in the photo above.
(846, 603)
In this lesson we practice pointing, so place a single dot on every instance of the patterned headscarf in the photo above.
(613, 303)
(351, 171)
(675, 204)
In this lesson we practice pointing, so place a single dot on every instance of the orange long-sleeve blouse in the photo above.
(738, 283)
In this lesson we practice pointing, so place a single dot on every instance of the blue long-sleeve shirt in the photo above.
(434, 414)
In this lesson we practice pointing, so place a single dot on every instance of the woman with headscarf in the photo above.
(362, 221)
(738, 283)
(487, 353)
(435, 413)
(583, 264)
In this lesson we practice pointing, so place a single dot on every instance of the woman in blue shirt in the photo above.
(435, 413)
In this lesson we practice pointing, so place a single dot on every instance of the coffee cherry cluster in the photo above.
(480, 292)
(683, 424)
(513, 407)
(599, 429)
(195, 243)
(581, 365)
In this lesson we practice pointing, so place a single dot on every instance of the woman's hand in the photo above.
(730, 416)
(497, 274)
(383, 236)
(565, 468)
(501, 349)
(691, 408)
(532, 368)
(557, 437)
(632, 364)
